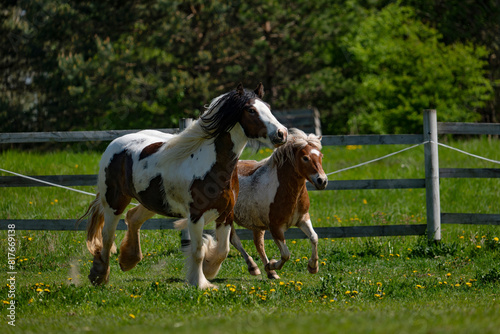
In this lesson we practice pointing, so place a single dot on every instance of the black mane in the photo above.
(230, 108)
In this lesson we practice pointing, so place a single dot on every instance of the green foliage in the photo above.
(368, 68)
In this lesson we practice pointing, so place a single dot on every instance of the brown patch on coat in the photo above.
(119, 181)
(251, 123)
(291, 197)
(248, 167)
(215, 189)
(150, 150)
(152, 198)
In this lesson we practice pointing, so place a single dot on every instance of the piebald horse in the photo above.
(191, 175)
(273, 196)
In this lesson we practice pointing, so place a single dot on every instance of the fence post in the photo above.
(432, 175)
(185, 237)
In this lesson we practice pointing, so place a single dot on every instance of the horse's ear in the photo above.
(240, 90)
(259, 90)
(320, 138)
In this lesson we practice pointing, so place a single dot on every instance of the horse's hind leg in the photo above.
(258, 239)
(279, 238)
(306, 227)
(216, 253)
(130, 248)
(99, 273)
(253, 269)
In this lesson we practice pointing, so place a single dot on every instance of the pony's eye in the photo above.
(305, 158)
(251, 110)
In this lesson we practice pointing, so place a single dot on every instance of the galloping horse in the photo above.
(191, 175)
(273, 196)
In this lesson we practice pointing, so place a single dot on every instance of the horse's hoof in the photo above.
(271, 265)
(272, 275)
(312, 270)
(255, 271)
(129, 263)
(98, 277)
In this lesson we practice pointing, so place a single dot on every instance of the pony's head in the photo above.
(304, 152)
(247, 108)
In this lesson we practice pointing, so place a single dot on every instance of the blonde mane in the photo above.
(297, 140)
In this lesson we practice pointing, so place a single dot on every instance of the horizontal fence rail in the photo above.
(293, 233)
(68, 136)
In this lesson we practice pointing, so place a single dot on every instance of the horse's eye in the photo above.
(251, 111)
(305, 158)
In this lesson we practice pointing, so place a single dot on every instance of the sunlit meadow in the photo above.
(375, 285)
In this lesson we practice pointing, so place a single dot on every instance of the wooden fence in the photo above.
(431, 181)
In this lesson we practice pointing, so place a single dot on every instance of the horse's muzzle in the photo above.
(320, 182)
(279, 137)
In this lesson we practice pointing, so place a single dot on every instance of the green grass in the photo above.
(369, 285)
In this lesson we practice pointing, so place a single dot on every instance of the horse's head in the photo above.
(257, 121)
(247, 108)
(309, 164)
(304, 151)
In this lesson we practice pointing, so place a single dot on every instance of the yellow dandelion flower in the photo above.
(323, 263)
(365, 201)
(5, 302)
(282, 283)
(132, 316)
(448, 274)
(272, 290)
(468, 284)
(103, 301)
(294, 242)
(478, 246)
(39, 290)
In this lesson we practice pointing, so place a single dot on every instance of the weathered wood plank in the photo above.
(67, 136)
(70, 224)
(469, 128)
(470, 218)
(64, 180)
(91, 180)
(372, 140)
(167, 224)
(372, 184)
(469, 172)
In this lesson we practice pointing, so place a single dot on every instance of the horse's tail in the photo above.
(95, 223)
(181, 224)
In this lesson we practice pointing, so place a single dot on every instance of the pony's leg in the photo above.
(99, 273)
(279, 238)
(307, 228)
(217, 252)
(253, 269)
(258, 239)
(196, 254)
(130, 248)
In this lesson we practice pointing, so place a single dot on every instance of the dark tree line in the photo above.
(368, 66)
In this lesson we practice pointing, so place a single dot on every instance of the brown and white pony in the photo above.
(191, 175)
(273, 197)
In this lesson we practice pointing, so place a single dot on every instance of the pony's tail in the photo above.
(181, 224)
(95, 223)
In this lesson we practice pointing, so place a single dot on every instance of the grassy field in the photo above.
(367, 285)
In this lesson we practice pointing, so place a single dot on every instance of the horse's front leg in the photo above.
(253, 269)
(279, 238)
(217, 251)
(196, 254)
(130, 248)
(258, 239)
(306, 227)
